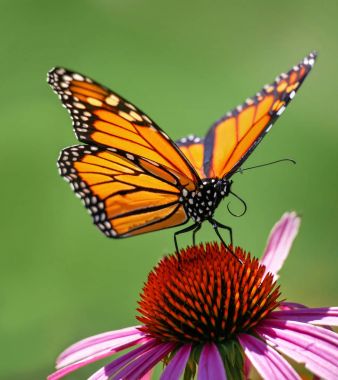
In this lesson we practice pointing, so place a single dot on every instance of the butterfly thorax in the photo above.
(201, 203)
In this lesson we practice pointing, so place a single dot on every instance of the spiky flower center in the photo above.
(205, 294)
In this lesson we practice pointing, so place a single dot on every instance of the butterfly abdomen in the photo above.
(201, 204)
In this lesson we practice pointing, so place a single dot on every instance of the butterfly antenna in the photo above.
(243, 203)
(240, 170)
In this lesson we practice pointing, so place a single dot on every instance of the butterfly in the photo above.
(133, 178)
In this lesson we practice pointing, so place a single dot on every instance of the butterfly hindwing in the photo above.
(230, 140)
(126, 195)
(103, 118)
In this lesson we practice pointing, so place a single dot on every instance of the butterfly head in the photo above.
(201, 204)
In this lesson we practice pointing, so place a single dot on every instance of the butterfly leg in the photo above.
(194, 234)
(220, 225)
(216, 225)
(187, 229)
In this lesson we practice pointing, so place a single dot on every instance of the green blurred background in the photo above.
(185, 63)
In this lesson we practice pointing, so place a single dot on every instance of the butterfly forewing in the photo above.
(125, 197)
(103, 118)
(230, 140)
(193, 148)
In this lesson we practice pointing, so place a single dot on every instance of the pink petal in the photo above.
(148, 375)
(315, 332)
(280, 242)
(177, 364)
(105, 372)
(97, 356)
(144, 363)
(291, 305)
(314, 346)
(318, 316)
(80, 348)
(247, 368)
(97, 349)
(210, 365)
(268, 362)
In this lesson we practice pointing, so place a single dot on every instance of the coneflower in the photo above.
(206, 314)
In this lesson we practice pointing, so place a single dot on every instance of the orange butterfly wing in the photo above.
(232, 139)
(103, 118)
(125, 196)
(193, 148)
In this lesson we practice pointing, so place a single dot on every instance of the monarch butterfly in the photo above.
(134, 179)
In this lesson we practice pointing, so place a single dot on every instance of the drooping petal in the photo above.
(145, 362)
(113, 348)
(279, 242)
(117, 364)
(100, 348)
(314, 346)
(94, 344)
(318, 316)
(268, 362)
(177, 364)
(210, 365)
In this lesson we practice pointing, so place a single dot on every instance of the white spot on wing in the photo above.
(146, 118)
(130, 106)
(112, 100)
(281, 110)
(78, 77)
(136, 116)
(268, 128)
(79, 105)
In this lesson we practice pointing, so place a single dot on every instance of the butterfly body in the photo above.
(134, 179)
(201, 203)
